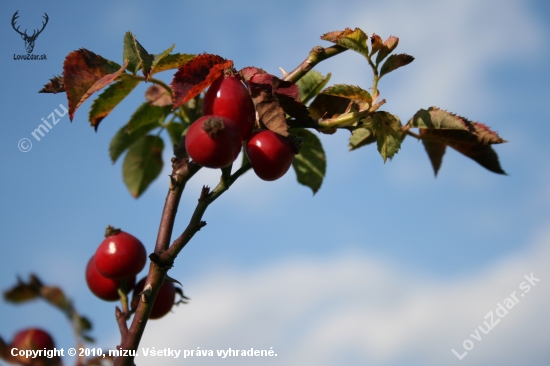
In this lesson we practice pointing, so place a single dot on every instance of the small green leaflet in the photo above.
(361, 137)
(146, 114)
(311, 163)
(387, 129)
(123, 140)
(137, 56)
(110, 98)
(350, 92)
(170, 62)
(142, 164)
(311, 84)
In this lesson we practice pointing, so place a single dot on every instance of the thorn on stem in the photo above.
(204, 192)
(170, 279)
(146, 293)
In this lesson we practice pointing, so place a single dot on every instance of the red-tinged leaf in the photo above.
(158, 96)
(474, 143)
(248, 72)
(170, 62)
(84, 73)
(56, 85)
(389, 45)
(484, 155)
(394, 62)
(328, 106)
(438, 119)
(110, 98)
(349, 92)
(289, 89)
(477, 134)
(435, 151)
(196, 75)
(355, 40)
(376, 44)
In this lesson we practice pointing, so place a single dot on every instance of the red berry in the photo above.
(228, 97)
(103, 287)
(213, 141)
(120, 256)
(164, 301)
(270, 154)
(34, 339)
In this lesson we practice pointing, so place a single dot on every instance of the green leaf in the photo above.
(109, 99)
(137, 56)
(355, 40)
(123, 140)
(311, 163)
(175, 130)
(394, 62)
(350, 92)
(147, 114)
(311, 84)
(142, 164)
(174, 61)
(361, 137)
(438, 119)
(387, 128)
(162, 55)
(389, 45)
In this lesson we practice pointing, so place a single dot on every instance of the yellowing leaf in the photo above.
(355, 40)
(389, 45)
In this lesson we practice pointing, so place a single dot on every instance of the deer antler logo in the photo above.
(29, 40)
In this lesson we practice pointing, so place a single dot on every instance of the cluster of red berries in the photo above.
(215, 139)
(114, 266)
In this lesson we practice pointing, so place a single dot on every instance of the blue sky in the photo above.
(385, 265)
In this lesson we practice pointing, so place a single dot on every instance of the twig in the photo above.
(316, 55)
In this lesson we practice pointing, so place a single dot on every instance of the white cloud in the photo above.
(362, 310)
